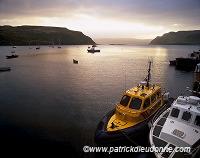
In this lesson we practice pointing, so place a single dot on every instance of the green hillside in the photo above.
(178, 38)
(23, 35)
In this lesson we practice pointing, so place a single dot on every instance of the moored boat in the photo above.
(136, 108)
(75, 61)
(93, 50)
(37, 45)
(59, 46)
(189, 62)
(177, 128)
(5, 68)
(12, 56)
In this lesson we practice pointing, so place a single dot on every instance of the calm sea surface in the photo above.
(48, 103)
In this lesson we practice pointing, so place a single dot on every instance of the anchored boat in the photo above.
(132, 113)
(93, 50)
(12, 56)
(189, 62)
(75, 61)
(177, 127)
(5, 68)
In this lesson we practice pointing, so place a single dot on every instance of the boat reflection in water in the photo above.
(133, 112)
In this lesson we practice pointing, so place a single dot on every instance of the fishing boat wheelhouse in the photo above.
(178, 127)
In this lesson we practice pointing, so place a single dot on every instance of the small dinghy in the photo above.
(75, 61)
(5, 68)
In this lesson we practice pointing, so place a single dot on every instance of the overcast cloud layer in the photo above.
(105, 18)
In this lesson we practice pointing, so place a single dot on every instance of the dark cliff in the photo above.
(178, 38)
(23, 35)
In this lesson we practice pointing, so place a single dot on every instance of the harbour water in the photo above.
(49, 104)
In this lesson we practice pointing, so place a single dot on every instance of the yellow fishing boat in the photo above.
(135, 109)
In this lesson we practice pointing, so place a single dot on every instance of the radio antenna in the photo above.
(149, 74)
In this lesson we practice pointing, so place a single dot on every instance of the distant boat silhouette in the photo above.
(38, 45)
(12, 56)
(5, 68)
(30, 45)
(93, 50)
(59, 44)
(52, 43)
(75, 61)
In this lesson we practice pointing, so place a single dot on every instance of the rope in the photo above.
(128, 137)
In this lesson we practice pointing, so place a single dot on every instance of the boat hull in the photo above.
(93, 51)
(11, 56)
(5, 68)
(172, 62)
(186, 63)
(75, 61)
(102, 136)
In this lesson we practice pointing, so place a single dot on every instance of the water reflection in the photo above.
(46, 96)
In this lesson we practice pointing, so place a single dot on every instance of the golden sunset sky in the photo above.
(141, 19)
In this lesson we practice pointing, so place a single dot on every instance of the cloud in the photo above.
(89, 15)
(160, 12)
(39, 8)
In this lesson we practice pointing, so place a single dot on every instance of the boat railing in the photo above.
(160, 111)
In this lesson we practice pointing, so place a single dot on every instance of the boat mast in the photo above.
(52, 43)
(149, 74)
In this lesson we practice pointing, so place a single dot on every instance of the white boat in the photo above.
(178, 128)
(92, 50)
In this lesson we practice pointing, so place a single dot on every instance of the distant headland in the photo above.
(44, 35)
(178, 38)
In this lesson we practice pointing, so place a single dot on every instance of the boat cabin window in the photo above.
(186, 116)
(175, 112)
(143, 94)
(125, 100)
(153, 98)
(146, 103)
(158, 94)
(197, 120)
(135, 103)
